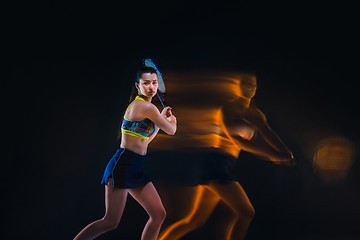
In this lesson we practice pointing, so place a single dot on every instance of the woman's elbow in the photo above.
(172, 132)
(169, 129)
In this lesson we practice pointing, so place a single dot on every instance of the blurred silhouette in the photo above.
(214, 125)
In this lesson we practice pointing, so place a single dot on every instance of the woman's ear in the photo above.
(137, 87)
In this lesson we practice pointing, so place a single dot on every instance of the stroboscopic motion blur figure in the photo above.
(239, 125)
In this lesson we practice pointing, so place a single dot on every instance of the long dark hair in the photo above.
(134, 91)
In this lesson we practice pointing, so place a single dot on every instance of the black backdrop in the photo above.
(69, 70)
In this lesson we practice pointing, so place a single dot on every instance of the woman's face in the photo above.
(147, 85)
(248, 87)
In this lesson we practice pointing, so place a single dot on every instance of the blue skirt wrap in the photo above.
(126, 170)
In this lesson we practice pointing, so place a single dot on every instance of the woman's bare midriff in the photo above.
(134, 144)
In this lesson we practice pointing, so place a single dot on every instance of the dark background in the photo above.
(69, 71)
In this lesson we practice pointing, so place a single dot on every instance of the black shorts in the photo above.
(191, 167)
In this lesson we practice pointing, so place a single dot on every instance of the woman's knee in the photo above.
(110, 223)
(158, 215)
(196, 221)
(247, 211)
(250, 212)
(162, 214)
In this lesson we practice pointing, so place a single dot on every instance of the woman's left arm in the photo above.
(270, 136)
(165, 113)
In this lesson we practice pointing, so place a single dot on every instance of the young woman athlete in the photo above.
(124, 174)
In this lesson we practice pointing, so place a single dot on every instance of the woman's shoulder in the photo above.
(143, 103)
(257, 113)
(139, 105)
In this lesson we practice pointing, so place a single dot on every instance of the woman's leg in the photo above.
(234, 196)
(203, 205)
(149, 199)
(115, 200)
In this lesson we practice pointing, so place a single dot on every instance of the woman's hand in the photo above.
(166, 112)
(160, 118)
(283, 159)
(172, 118)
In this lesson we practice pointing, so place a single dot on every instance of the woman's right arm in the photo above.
(269, 135)
(257, 145)
(167, 124)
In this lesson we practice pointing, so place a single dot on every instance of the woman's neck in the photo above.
(245, 102)
(145, 98)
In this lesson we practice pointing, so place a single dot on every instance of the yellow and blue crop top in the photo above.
(142, 129)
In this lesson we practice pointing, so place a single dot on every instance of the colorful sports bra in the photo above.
(142, 129)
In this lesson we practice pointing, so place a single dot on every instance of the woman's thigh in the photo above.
(115, 200)
(232, 194)
(148, 198)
